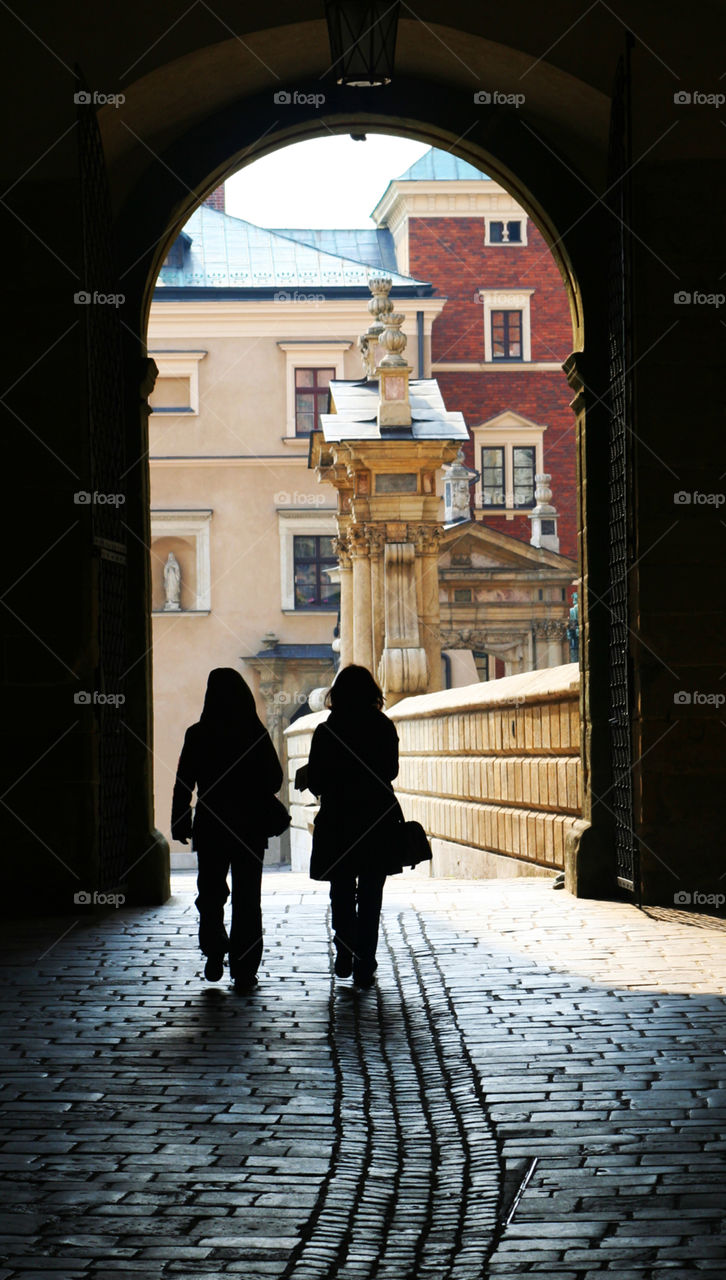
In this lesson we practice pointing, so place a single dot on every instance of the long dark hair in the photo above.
(229, 706)
(354, 690)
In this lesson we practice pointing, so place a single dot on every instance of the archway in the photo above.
(569, 223)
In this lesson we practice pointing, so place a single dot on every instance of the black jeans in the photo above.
(356, 908)
(245, 936)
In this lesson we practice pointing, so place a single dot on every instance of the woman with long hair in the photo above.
(353, 759)
(228, 755)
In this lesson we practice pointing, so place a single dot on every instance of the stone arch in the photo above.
(498, 145)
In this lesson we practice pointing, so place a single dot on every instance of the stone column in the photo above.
(427, 545)
(342, 547)
(550, 635)
(377, 542)
(362, 620)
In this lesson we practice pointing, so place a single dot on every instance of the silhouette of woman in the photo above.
(228, 755)
(353, 758)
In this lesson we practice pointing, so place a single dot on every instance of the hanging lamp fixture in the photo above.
(362, 36)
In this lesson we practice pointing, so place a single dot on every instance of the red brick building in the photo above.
(499, 344)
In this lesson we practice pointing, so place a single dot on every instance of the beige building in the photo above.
(248, 328)
(244, 365)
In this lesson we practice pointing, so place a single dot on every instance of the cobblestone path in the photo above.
(536, 1087)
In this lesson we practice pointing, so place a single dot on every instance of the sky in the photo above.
(325, 182)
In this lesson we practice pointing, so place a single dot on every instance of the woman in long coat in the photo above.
(228, 755)
(353, 759)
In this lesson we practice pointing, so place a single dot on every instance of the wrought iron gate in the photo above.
(620, 482)
(104, 389)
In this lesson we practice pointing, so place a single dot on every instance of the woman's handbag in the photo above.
(416, 845)
(412, 848)
(276, 818)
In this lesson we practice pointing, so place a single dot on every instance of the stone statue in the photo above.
(172, 583)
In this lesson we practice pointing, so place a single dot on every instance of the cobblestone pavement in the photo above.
(536, 1087)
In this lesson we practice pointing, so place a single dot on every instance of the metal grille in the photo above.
(620, 490)
(104, 387)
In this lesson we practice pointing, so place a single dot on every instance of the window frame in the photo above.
(178, 364)
(507, 300)
(501, 450)
(507, 431)
(513, 216)
(318, 605)
(506, 333)
(314, 391)
(295, 521)
(308, 355)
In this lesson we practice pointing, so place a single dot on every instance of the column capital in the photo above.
(426, 538)
(341, 546)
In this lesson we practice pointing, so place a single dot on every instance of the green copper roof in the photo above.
(441, 166)
(217, 251)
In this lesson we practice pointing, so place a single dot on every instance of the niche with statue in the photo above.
(173, 574)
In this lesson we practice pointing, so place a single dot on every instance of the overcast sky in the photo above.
(326, 182)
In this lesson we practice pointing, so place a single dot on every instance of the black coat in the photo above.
(235, 779)
(351, 766)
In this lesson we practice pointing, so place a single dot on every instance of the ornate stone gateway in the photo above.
(381, 446)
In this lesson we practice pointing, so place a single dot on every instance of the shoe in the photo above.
(364, 980)
(244, 984)
(343, 961)
(214, 968)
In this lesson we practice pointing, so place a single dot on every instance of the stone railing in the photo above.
(492, 771)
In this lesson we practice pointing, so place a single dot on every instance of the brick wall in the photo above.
(451, 253)
(216, 200)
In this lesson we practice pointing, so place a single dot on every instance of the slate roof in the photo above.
(217, 251)
(373, 245)
(357, 407)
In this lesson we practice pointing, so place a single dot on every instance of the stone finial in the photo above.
(543, 515)
(379, 306)
(395, 341)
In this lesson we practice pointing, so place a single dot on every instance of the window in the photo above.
(462, 595)
(505, 232)
(506, 335)
(524, 464)
(507, 326)
(506, 227)
(510, 450)
(492, 477)
(311, 398)
(313, 554)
